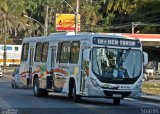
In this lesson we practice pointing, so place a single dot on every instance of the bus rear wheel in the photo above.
(116, 101)
(44, 93)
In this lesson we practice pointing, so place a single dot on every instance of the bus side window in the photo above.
(45, 52)
(58, 52)
(38, 52)
(65, 52)
(25, 52)
(75, 47)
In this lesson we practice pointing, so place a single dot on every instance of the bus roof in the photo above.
(63, 36)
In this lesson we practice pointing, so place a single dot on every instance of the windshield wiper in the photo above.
(134, 70)
(125, 55)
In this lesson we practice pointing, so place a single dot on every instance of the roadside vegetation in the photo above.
(151, 87)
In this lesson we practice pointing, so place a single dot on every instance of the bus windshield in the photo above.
(116, 63)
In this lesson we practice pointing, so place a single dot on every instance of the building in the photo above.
(13, 54)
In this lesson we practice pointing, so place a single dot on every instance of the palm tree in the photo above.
(122, 6)
(37, 9)
(11, 19)
(11, 13)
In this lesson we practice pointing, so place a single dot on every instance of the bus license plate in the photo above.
(117, 95)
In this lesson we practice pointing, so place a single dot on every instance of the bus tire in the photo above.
(71, 88)
(15, 86)
(116, 101)
(70, 95)
(37, 91)
(12, 84)
(76, 98)
(44, 93)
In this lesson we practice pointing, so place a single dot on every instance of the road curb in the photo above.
(151, 100)
(143, 98)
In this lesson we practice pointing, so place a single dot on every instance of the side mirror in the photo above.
(86, 54)
(145, 58)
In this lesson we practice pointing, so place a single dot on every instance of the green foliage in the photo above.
(150, 29)
(96, 16)
(8, 41)
(11, 17)
(148, 11)
(122, 6)
(89, 17)
(150, 85)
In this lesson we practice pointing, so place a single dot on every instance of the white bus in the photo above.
(13, 55)
(83, 65)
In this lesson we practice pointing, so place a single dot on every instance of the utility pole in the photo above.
(76, 14)
(46, 21)
(76, 17)
(134, 25)
(4, 54)
(104, 1)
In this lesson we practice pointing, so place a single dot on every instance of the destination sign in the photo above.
(116, 42)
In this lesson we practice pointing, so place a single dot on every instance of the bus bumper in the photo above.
(111, 93)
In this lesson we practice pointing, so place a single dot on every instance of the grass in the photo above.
(151, 87)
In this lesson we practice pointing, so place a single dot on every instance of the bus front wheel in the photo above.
(76, 98)
(116, 101)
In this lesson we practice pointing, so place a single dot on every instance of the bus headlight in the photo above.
(94, 82)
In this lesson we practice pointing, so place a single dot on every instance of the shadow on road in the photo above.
(87, 101)
(101, 102)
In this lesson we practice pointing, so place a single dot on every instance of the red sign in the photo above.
(66, 22)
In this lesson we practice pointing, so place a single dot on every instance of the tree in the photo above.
(122, 6)
(151, 12)
(89, 16)
(10, 20)
(11, 16)
(44, 12)
(147, 13)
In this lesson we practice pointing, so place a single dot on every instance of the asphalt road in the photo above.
(22, 101)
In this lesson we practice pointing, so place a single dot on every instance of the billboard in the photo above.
(66, 22)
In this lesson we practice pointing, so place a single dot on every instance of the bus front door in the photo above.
(84, 69)
(51, 79)
(29, 79)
